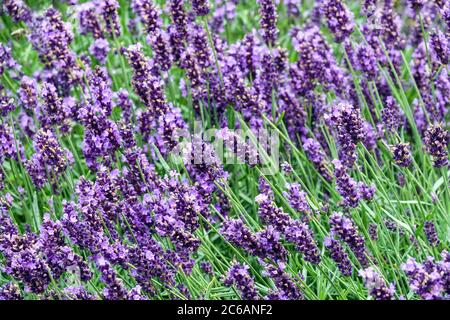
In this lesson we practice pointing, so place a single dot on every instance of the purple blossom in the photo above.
(109, 11)
(17, 10)
(431, 233)
(100, 49)
(401, 154)
(268, 21)
(200, 7)
(239, 276)
(10, 291)
(28, 93)
(338, 255)
(286, 288)
(149, 15)
(348, 232)
(436, 144)
(376, 285)
(339, 19)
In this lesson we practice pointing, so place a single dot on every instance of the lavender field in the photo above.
(224, 150)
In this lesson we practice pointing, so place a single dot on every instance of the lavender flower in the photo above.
(268, 21)
(17, 10)
(10, 291)
(347, 187)
(109, 11)
(431, 233)
(100, 49)
(436, 141)
(89, 20)
(391, 115)
(238, 275)
(286, 288)
(349, 128)
(49, 161)
(200, 7)
(348, 232)
(338, 255)
(440, 47)
(339, 19)
(299, 234)
(149, 14)
(28, 93)
(376, 285)
(297, 198)
(401, 154)
(425, 279)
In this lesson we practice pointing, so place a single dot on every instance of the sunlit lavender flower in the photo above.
(271, 214)
(440, 46)
(200, 7)
(10, 291)
(349, 128)
(424, 279)
(401, 154)
(89, 20)
(28, 93)
(436, 144)
(297, 198)
(338, 255)
(347, 187)
(148, 13)
(100, 49)
(391, 114)
(376, 285)
(160, 43)
(286, 288)
(7, 143)
(268, 21)
(239, 276)
(316, 155)
(338, 18)
(7, 62)
(348, 232)
(6, 103)
(109, 11)
(49, 161)
(17, 10)
(431, 233)
(299, 234)
(416, 4)
(179, 17)
(367, 61)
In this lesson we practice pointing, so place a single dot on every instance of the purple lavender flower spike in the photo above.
(239, 276)
(149, 15)
(299, 234)
(338, 255)
(100, 49)
(431, 233)
(350, 130)
(109, 11)
(440, 46)
(268, 21)
(200, 7)
(286, 288)
(436, 144)
(401, 154)
(297, 198)
(425, 279)
(89, 20)
(339, 19)
(348, 232)
(28, 94)
(347, 187)
(10, 291)
(376, 285)
(17, 10)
